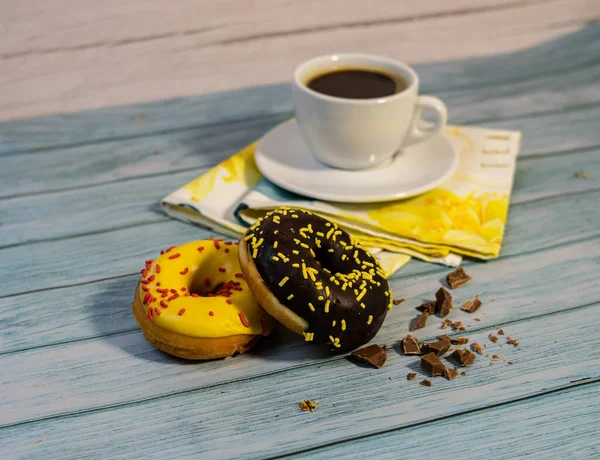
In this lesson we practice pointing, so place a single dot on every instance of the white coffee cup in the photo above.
(362, 133)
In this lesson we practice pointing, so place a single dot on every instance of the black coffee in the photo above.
(357, 84)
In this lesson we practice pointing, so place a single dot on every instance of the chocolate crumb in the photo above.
(513, 342)
(390, 377)
(397, 301)
(446, 323)
(497, 357)
(458, 326)
(308, 405)
(410, 345)
(463, 373)
(511, 363)
(485, 345)
(439, 348)
(471, 306)
(457, 278)
(425, 383)
(581, 175)
(460, 340)
(491, 363)
(421, 321)
(443, 304)
(431, 364)
(477, 348)
(477, 319)
(500, 331)
(411, 376)
(372, 354)
(464, 357)
(451, 373)
(429, 307)
(493, 338)
(493, 300)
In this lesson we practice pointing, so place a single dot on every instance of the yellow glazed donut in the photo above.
(193, 302)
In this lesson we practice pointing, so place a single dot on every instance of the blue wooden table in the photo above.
(79, 215)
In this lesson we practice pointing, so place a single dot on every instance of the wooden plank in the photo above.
(187, 64)
(70, 371)
(555, 425)
(354, 401)
(554, 58)
(52, 264)
(122, 204)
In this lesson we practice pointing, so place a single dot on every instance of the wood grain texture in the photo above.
(70, 371)
(264, 47)
(555, 425)
(249, 418)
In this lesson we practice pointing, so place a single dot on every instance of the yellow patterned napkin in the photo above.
(465, 215)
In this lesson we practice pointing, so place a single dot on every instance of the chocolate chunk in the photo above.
(463, 373)
(464, 357)
(410, 345)
(308, 405)
(443, 304)
(493, 338)
(411, 376)
(429, 307)
(397, 301)
(431, 364)
(420, 322)
(372, 354)
(457, 278)
(471, 306)
(425, 383)
(500, 331)
(438, 348)
(451, 373)
(459, 340)
(445, 338)
(446, 323)
(477, 348)
(458, 326)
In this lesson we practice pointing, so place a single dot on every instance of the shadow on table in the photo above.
(111, 317)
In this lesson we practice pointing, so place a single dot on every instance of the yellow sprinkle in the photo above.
(296, 265)
(344, 286)
(275, 244)
(337, 283)
(355, 254)
(275, 232)
(281, 255)
(343, 325)
(290, 297)
(387, 293)
(318, 242)
(275, 258)
(312, 253)
(249, 237)
(327, 290)
(331, 250)
(347, 248)
(363, 284)
(342, 243)
(311, 306)
(329, 233)
(295, 251)
(355, 291)
(284, 280)
(297, 241)
(310, 229)
(337, 232)
(254, 253)
(333, 323)
(304, 245)
(304, 274)
(363, 305)
(370, 319)
(327, 224)
(308, 336)
(361, 295)
(327, 306)
(344, 257)
(294, 216)
(320, 297)
(368, 264)
(321, 234)
(331, 338)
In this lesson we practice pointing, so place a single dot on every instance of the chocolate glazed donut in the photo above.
(315, 278)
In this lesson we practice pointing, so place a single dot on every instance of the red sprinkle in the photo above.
(150, 315)
(195, 295)
(162, 252)
(158, 283)
(162, 291)
(185, 270)
(182, 311)
(206, 282)
(144, 288)
(243, 319)
(201, 248)
(211, 313)
(174, 256)
(239, 275)
(228, 243)
(174, 291)
(147, 298)
(173, 297)
(183, 289)
(229, 301)
(154, 299)
(169, 249)
(187, 294)
(164, 304)
(264, 325)
(144, 272)
(157, 311)
(144, 281)
(157, 268)
(217, 245)
(226, 250)
(151, 278)
(221, 269)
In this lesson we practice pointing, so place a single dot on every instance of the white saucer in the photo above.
(283, 157)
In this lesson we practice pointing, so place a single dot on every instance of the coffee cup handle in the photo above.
(418, 132)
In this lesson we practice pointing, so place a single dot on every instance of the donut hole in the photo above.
(204, 286)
